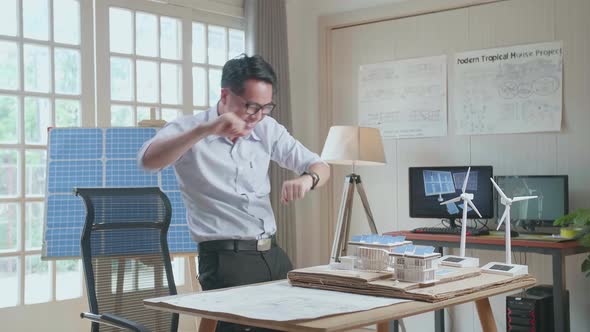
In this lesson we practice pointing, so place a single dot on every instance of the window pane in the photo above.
(36, 19)
(121, 30)
(9, 174)
(35, 173)
(9, 228)
(217, 45)
(121, 116)
(67, 71)
(37, 120)
(8, 119)
(199, 86)
(146, 39)
(66, 21)
(67, 113)
(143, 113)
(237, 42)
(147, 81)
(121, 79)
(198, 42)
(170, 38)
(8, 19)
(169, 114)
(34, 225)
(9, 285)
(37, 280)
(178, 271)
(8, 66)
(68, 283)
(171, 83)
(36, 68)
(214, 85)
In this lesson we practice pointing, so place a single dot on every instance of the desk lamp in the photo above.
(507, 268)
(354, 146)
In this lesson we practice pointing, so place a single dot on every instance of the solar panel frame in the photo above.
(104, 158)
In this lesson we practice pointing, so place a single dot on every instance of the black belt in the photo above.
(238, 245)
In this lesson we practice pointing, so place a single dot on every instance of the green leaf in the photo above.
(585, 240)
(586, 265)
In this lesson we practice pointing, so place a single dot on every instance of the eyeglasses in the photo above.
(253, 108)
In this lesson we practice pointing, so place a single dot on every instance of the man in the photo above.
(221, 158)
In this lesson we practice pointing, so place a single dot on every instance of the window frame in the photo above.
(187, 16)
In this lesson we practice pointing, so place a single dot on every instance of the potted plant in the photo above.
(579, 222)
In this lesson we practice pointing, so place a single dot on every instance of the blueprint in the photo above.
(279, 302)
(515, 89)
(405, 98)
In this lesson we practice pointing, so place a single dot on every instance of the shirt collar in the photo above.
(212, 115)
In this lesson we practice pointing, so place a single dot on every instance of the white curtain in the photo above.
(266, 28)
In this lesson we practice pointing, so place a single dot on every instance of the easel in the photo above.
(340, 244)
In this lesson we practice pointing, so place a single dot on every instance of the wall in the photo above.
(488, 25)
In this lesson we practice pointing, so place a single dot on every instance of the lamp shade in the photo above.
(352, 145)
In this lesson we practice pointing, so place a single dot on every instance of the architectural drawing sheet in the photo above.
(514, 89)
(280, 302)
(405, 98)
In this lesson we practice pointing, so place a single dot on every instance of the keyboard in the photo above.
(450, 231)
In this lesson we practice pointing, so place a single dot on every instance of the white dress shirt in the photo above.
(225, 186)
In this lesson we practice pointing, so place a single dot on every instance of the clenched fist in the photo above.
(295, 189)
(230, 125)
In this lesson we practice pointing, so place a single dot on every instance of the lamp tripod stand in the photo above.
(340, 244)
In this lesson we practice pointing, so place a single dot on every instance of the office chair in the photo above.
(126, 259)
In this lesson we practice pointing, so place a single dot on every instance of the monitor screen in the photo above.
(552, 201)
(430, 186)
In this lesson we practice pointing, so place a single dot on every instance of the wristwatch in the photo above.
(315, 178)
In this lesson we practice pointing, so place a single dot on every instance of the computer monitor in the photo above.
(429, 186)
(552, 201)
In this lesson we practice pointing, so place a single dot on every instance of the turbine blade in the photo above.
(465, 180)
(504, 215)
(456, 199)
(523, 198)
(473, 207)
(498, 189)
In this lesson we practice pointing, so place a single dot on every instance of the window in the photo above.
(41, 86)
(151, 61)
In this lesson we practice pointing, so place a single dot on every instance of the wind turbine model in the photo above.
(461, 260)
(507, 268)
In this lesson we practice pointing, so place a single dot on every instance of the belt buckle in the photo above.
(263, 244)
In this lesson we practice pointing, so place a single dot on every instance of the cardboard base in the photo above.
(512, 270)
(458, 261)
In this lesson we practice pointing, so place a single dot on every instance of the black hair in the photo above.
(242, 68)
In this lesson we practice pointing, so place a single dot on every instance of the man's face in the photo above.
(256, 94)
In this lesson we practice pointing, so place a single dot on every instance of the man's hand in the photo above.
(296, 188)
(229, 125)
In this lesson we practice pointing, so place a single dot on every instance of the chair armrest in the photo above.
(114, 320)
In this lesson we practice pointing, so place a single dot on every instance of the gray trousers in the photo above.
(228, 268)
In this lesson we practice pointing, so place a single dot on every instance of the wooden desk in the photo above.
(380, 316)
(557, 250)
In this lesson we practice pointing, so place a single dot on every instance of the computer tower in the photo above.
(533, 310)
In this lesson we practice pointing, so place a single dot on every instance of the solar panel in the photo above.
(471, 183)
(100, 157)
(438, 182)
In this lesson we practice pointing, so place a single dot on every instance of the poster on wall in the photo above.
(515, 89)
(405, 98)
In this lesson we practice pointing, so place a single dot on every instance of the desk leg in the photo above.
(439, 315)
(486, 317)
(207, 325)
(559, 305)
(389, 326)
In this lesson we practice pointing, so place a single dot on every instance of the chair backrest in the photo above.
(125, 254)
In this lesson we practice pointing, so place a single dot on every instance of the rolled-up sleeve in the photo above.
(290, 153)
